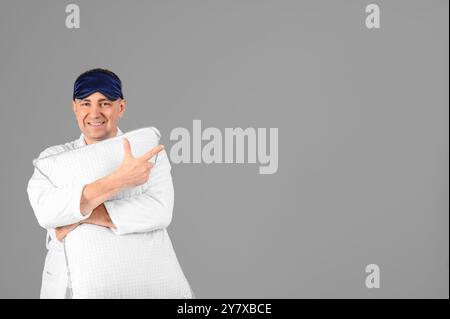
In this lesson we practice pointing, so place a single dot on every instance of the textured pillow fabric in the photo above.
(91, 162)
(140, 265)
(102, 264)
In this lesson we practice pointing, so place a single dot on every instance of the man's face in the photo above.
(97, 116)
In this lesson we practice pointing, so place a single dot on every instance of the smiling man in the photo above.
(98, 104)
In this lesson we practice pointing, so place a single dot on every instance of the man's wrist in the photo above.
(113, 182)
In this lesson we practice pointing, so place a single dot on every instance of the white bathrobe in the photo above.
(56, 207)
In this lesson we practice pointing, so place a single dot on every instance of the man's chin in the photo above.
(96, 136)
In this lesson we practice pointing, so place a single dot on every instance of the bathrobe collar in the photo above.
(82, 142)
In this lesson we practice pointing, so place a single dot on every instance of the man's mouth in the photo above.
(96, 124)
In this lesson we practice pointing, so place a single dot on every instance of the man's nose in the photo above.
(95, 111)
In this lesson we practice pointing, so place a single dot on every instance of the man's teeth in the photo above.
(95, 123)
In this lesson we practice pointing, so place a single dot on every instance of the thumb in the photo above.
(127, 148)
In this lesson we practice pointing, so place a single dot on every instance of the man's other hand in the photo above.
(99, 217)
(61, 232)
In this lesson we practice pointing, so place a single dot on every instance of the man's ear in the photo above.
(74, 107)
(122, 107)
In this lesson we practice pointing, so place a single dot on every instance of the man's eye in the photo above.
(85, 104)
(106, 104)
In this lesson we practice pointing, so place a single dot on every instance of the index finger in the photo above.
(152, 152)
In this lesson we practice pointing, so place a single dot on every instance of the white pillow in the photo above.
(139, 265)
(105, 265)
(88, 163)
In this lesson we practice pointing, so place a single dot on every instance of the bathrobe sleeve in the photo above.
(150, 210)
(52, 206)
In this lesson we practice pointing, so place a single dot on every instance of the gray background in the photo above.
(363, 136)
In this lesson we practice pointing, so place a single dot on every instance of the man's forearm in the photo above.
(99, 217)
(132, 172)
(98, 192)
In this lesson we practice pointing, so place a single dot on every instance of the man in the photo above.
(98, 104)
